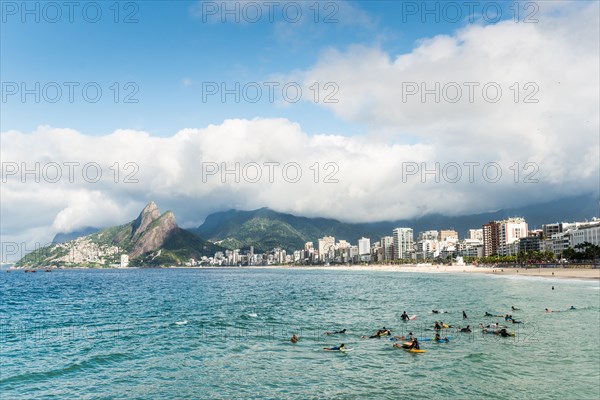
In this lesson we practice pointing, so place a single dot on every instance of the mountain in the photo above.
(265, 229)
(151, 239)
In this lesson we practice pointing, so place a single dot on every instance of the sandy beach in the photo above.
(567, 273)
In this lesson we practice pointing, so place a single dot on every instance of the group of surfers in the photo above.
(412, 343)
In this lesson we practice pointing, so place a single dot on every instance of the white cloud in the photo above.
(559, 134)
(556, 58)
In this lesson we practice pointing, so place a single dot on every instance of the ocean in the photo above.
(225, 333)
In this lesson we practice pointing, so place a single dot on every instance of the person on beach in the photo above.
(464, 315)
(294, 338)
(336, 348)
(343, 331)
(404, 316)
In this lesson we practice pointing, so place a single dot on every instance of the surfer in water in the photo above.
(438, 338)
(380, 333)
(336, 348)
(342, 332)
(414, 345)
(294, 338)
(404, 316)
(515, 308)
(467, 329)
(504, 333)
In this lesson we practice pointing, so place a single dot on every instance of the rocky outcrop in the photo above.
(149, 214)
(154, 234)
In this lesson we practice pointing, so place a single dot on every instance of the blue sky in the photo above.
(371, 134)
(178, 41)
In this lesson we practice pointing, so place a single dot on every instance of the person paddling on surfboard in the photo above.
(343, 331)
(467, 329)
(515, 308)
(336, 348)
(380, 333)
(414, 345)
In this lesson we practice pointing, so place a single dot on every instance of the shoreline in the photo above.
(559, 273)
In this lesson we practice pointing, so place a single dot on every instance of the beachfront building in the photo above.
(476, 234)
(561, 242)
(352, 254)
(586, 233)
(448, 235)
(510, 231)
(491, 238)
(364, 249)
(428, 235)
(387, 248)
(403, 243)
(530, 244)
(326, 249)
(470, 248)
(364, 246)
(376, 252)
(551, 229)
(499, 237)
(427, 245)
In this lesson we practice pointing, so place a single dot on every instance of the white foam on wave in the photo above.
(555, 280)
(252, 315)
(181, 322)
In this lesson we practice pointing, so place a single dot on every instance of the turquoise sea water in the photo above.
(224, 333)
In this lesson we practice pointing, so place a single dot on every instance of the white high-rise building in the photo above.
(509, 231)
(326, 248)
(403, 243)
(589, 234)
(364, 246)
